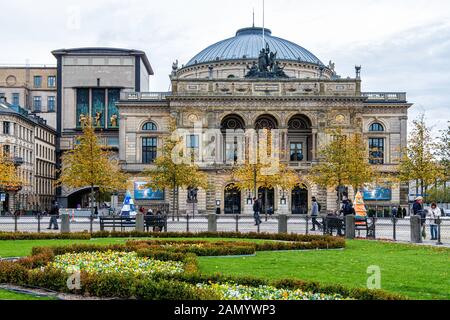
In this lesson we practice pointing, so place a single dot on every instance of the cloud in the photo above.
(403, 45)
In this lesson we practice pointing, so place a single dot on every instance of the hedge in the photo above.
(44, 236)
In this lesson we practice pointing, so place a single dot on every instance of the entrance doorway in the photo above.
(299, 200)
(232, 201)
(267, 196)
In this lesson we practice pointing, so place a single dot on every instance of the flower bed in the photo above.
(114, 262)
(230, 291)
(129, 270)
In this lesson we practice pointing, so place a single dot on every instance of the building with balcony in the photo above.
(243, 83)
(31, 87)
(29, 142)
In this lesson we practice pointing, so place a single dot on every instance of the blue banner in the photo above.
(377, 194)
(141, 192)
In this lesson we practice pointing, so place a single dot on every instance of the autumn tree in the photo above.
(168, 173)
(91, 164)
(418, 161)
(8, 173)
(441, 190)
(344, 162)
(264, 171)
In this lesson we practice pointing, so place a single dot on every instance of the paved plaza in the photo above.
(384, 229)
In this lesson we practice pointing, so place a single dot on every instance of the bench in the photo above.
(331, 223)
(362, 223)
(157, 221)
(117, 222)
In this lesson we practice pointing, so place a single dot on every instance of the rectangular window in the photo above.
(37, 81)
(6, 151)
(51, 104)
(15, 99)
(296, 151)
(98, 107)
(82, 106)
(376, 150)
(37, 104)
(192, 141)
(51, 81)
(6, 127)
(113, 112)
(149, 150)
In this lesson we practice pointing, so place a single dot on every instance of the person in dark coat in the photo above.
(54, 214)
(257, 211)
(418, 210)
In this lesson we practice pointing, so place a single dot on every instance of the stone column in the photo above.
(212, 223)
(140, 222)
(65, 223)
(350, 227)
(282, 223)
(416, 236)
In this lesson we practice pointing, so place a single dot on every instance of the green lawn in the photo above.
(414, 271)
(9, 295)
(417, 272)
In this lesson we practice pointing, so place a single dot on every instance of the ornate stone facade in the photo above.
(302, 108)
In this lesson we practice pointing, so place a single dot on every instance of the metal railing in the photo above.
(391, 229)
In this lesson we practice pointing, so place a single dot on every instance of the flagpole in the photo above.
(264, 36)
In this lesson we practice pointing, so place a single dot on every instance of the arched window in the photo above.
(266, 122)
(376, 127)
(149, 126)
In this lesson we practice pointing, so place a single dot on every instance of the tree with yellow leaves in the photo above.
(265, 171)
(8, 173)
(170, 174)
(344, 162)
(91, 164)
(418, 161)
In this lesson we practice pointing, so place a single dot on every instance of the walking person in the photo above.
(394, 212)
(435, 213)
(54, 214)
(256, 211)
(314, 213)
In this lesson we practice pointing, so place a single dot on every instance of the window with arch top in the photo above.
(149, 126)
(376, 127)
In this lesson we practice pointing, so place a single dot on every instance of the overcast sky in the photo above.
(402, 45)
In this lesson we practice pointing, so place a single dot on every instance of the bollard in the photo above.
(39, 222)
(394, 226)
(350, 227)
(439, 222)
(212, 223)
(15, 223)
(237, 223)
(416, 229)
(187, 223)
(282, 223)
(65, 223)
(307, 224)
(91, 224)
(140, 222)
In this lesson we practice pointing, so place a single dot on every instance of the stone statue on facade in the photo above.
(174, 67)
(114, 120)
(82, 119)
(98, 118)
(267, 66)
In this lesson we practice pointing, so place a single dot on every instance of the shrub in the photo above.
(44, 236)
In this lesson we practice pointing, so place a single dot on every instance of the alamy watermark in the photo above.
(236, 147)
(374, 280)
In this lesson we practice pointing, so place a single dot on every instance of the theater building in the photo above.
(245, 83)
